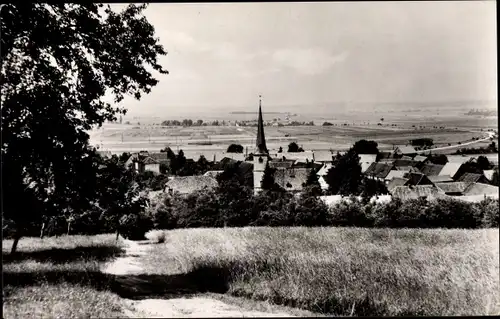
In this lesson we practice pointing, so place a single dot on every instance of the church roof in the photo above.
(261, 139)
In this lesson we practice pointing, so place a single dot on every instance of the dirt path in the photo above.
(184, 307)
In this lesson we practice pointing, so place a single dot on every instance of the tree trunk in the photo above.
(14, 245)
(42, 231)
(69, 227)
(117, 234)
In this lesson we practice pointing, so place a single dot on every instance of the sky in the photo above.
(221, 56)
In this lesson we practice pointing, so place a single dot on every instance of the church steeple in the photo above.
(261, 139)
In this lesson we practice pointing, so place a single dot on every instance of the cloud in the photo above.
(308, 61)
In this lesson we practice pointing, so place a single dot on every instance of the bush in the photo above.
(488, 214)
(135, 226)
(349, 212)
(156, 236)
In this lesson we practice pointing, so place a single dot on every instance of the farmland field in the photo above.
(343, 271)
(197, 140)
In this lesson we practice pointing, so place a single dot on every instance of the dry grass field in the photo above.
(343, 271)
(59, 278)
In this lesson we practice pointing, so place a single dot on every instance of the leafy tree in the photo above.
(327, 124)
(268, 182)
(366, 147)
(344, 177)
(372, 187)
(120, 194)
(439, 159)
(280, 150)
(199, 122)
(483, 163)
(294, 148)
(312, 185)
(235, 148)
(58, 61)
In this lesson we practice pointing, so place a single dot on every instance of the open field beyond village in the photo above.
(333, 271)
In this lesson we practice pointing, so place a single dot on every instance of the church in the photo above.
(287, 174)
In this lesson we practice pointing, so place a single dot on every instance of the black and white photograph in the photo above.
(249, 159)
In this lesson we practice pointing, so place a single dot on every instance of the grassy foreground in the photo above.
(343, 271)
(59, 278)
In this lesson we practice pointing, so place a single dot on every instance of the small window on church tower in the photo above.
(261, 160)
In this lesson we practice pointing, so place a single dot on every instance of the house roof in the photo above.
(324, 170)
(405, 157)
(212, 173)
(408, 169)
(404, 162)
(189, 184)
(414, 192)
(455, 187)
(417, 179)
(489, 173)
(419, 158)
(160, 157)
(394, 173)
(148, 161)
(385, 155)
(324, 185)
(396, 181)
(379, 170)
(367, 158)
(281, 163)
(302, 156)
(450, 169)
(294, 177)
(440, 178)
(431, 169)
(470, 177)
(406, 149)
(480, 189)
(323, 156)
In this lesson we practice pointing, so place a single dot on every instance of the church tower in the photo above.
(261, 155)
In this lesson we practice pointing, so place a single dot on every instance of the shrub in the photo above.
(156, 236)
(488, 215)
(349, 212)
(135, 226)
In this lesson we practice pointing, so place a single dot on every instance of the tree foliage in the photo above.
(366, 147)
(294, 148)
(344, 178)
(235, 148)
(58, 62)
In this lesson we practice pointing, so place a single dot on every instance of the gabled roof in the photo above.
(405, 157)
(489, 173)
(324, 170)
(378, 170)
(417, 179)
(450, 169)
(302, 156)
(396, 181)
(431, 169)
(480, 189)
(470, 178)
(394, 173)
(291, 179)
(414, 192)
(212, 173)
(408, 169)
(440, 179)
(281, 163)
(160, 157)
(419, 158)
(189, 184)
(406, 149)
(454, 187)
(404, 162)
(323, 156)
(367, 158)
(148, 161)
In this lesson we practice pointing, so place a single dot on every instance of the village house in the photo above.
(142, 162)
(365, 160)
(431, 169)
(405, 150)
(378, 171)
(187, 184)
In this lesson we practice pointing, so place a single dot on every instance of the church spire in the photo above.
(261, 139)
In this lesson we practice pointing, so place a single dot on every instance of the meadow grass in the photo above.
(344, 271)
(59, 277)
